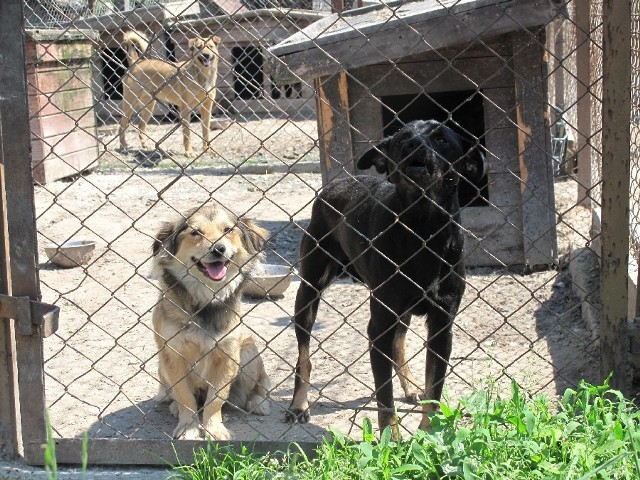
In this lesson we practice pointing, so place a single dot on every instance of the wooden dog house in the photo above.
(377, 67)
(63, 124)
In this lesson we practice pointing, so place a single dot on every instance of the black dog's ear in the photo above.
(375, 157)
(472, 165)
(166, 238)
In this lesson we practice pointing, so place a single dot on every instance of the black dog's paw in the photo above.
(296, 415)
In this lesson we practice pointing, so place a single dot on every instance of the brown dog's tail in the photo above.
(135, 43)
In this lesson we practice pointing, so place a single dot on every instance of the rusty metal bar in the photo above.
(616, 110)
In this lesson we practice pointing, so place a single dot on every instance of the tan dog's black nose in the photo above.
(218, 249)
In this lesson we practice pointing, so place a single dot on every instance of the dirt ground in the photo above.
(101, 364)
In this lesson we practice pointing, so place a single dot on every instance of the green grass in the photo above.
(591, 434)
(50, 461)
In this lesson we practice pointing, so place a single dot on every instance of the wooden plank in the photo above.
(61, 145)
(493, 237)
(62, 123)
(21, 219)
(502, 150)
(616, 140)
(436, 76)
(500, 107)
(55, 167)
(490, 46)
(65, 101)
(334, 132)
(538, 204)
(9, 444)
(64, 52)
(367, 129)
(388, 32)
(104, 451)
(583, 91)
(51, 80)
(504, 190)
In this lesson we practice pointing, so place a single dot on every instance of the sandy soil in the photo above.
(101, 364)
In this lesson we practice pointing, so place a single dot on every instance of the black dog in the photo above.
(402, 238)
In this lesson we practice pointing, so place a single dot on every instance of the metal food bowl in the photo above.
(73, 253)
(269, 280)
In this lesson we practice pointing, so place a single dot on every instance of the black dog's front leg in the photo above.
(306, 307)
(440, 316)
(382, 331)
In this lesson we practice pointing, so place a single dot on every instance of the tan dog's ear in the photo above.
(195, 43)
(216, 40)
(254, 235)
(166, 238)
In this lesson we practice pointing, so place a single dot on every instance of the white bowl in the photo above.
(269, 280)
(72, 253)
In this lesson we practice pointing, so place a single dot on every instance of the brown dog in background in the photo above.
(203, 261)
(189, 85)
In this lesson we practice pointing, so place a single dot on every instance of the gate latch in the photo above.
(28, 313)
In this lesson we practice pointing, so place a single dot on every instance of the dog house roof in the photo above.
(379, 33)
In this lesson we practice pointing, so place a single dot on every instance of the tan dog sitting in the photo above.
(206, 356)
(189, 85)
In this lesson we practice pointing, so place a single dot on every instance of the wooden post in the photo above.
(583, 72)
(332, 106)
(8, 372)
(616, 111)
(20, 208)
(534, 151)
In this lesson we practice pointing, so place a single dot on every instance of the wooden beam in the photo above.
(121, 451)
(8, 370)
(534, 151)
(616, 140)
(334, 131)
(583, 90)
(20, 208)
(379, 34)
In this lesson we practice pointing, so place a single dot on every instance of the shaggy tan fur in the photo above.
(206, 356)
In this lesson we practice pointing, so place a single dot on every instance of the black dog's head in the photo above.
(426, 158)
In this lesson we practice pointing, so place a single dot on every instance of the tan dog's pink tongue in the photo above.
(217, 270)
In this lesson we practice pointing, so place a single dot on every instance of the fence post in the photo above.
(616, 111)
(8, 371)
(20, 208)
(583, 91)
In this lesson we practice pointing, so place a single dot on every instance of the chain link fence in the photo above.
(126, 140)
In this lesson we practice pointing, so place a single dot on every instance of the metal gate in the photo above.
(302, 94)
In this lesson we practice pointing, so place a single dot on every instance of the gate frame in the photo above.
(24, 420)
(22, 272)
(27, 422)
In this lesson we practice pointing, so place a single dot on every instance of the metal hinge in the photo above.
(28, 314)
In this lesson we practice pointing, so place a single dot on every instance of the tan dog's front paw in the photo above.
(207, 150)
(187, 431)
(258, 405)
(217, 431)
(189, 153)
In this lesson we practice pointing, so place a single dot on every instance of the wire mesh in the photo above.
(266, 156)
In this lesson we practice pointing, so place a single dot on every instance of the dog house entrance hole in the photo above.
(461, 110)
(114, 66)
(248, 75)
